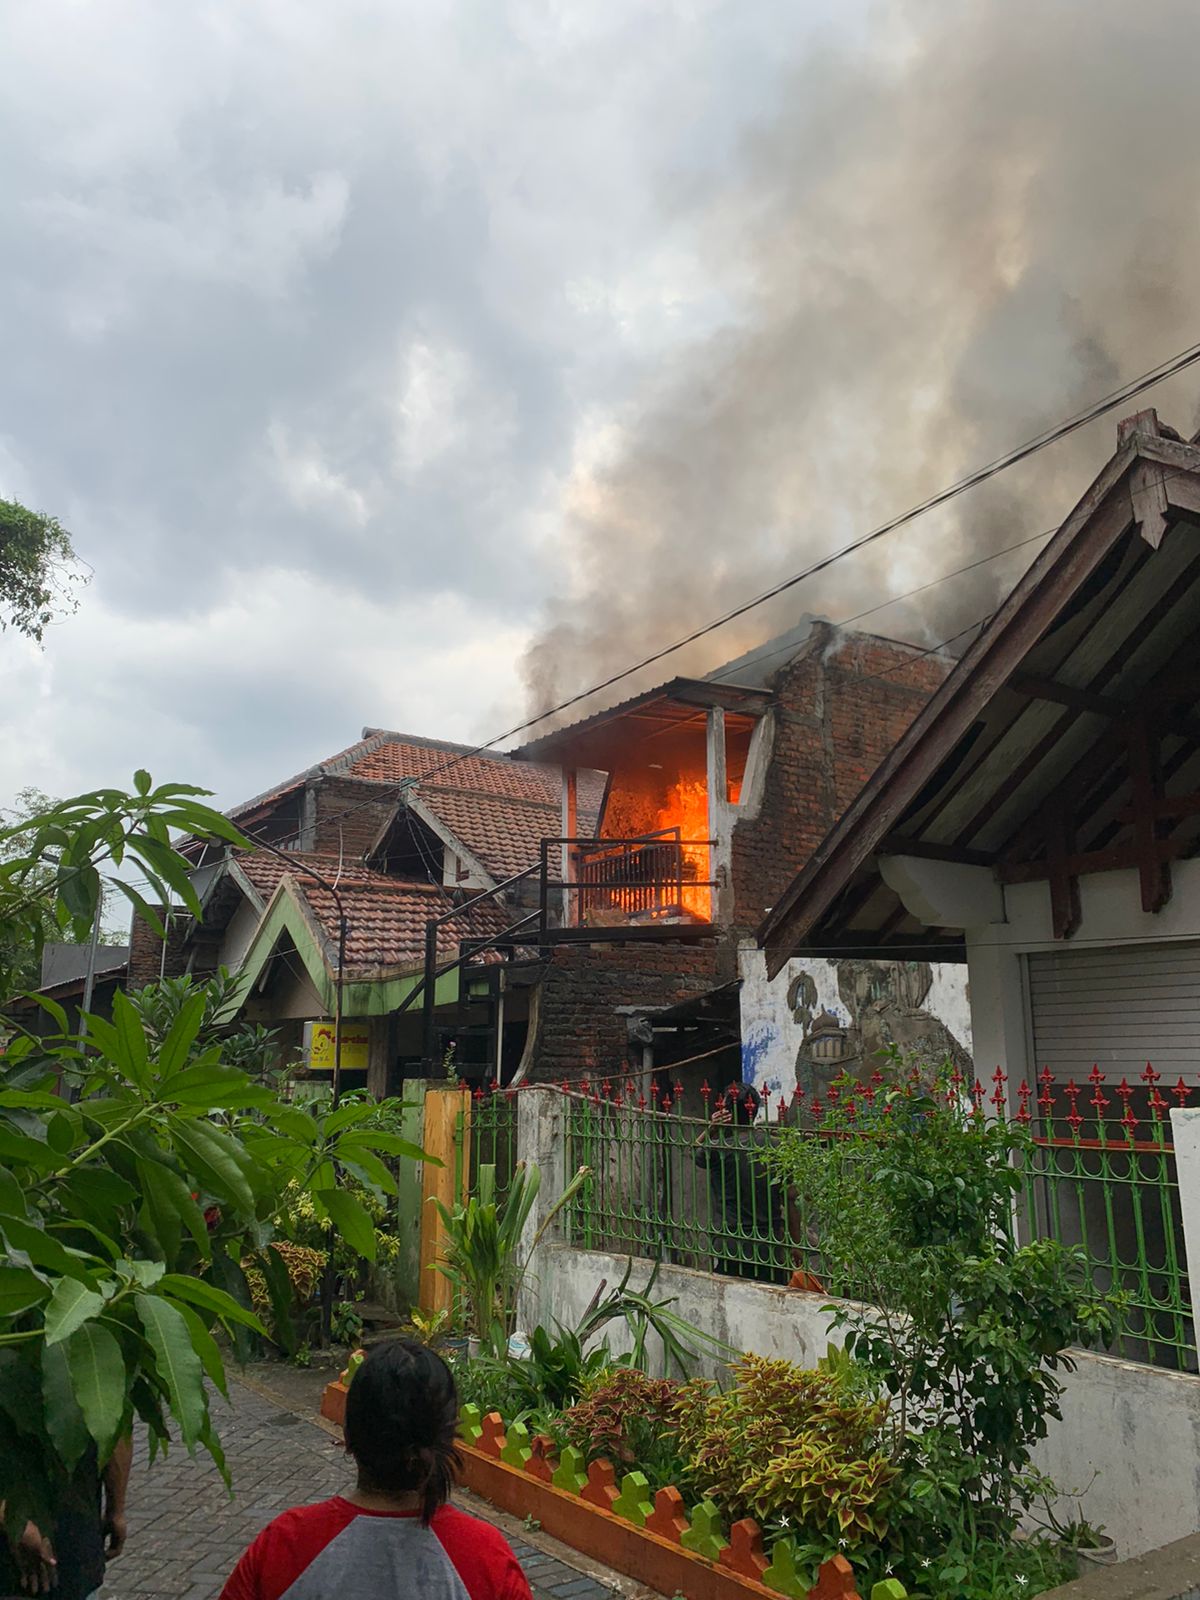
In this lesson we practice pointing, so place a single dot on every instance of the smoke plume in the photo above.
(976, 223)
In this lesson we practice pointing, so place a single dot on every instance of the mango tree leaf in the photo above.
(350, 1217)
(366, 1166)
(97, 1371)
(176, 1363)
(208, 1153)
(12, 1196)
(182, 1036)
(64, 1419)
(216, 1086)
(42, 1249)
(20, 1289)
(199, 1292)
(282, 1294)
(100, 1193)
(168, 1196)
(18, 1392)
(19, 1150)
(135, 1056)
(204, 1345)
(70, 1306)
(231, 1280)
(294, 1122)
(391, 1144)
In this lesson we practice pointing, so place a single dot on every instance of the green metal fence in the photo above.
(1101, 1177)
(487, 1135)
(672, 1188)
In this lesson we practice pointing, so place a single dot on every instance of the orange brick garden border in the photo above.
(583, 1523)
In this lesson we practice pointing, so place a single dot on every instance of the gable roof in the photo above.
(1038, 709)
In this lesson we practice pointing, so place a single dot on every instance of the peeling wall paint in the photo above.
(822, 1018)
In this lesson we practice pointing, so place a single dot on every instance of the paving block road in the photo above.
(186, 1533)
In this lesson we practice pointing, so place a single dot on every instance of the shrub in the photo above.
(628, 1418)
(965, 1328)
(784, 1441)
(303, 1266)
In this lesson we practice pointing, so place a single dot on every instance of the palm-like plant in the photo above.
(481, 1254)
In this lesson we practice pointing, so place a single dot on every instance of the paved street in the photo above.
(185, 1533)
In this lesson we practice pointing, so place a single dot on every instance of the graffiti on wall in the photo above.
(822, 1019)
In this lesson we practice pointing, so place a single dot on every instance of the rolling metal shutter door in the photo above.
(1117, 1007)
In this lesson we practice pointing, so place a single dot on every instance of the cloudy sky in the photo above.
(393, 363)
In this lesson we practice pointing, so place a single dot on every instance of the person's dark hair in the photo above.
(743, 1100)
(401, 1417)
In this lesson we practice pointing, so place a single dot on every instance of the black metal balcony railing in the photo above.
(656, 877)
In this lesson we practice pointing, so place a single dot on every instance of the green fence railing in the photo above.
(673, 1188)
(488, 1133)
(1100, 1176)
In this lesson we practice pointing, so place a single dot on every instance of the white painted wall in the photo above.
(1110, 904)
(239, 931)
(773, 1032)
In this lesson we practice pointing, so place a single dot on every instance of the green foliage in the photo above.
(481, 1253)
(37, 569)
(681, 1341)
(785, 1441)
(555, 1372)
(21, 940)
(249, 1046)
(629, 1419)
(347, 1325)
(53, 858)
(126, 1210)
(963, 1327)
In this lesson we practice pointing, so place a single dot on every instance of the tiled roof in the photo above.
(400, 758)
(503, 834)
(385, 916)
(265, 870)
(385, 922)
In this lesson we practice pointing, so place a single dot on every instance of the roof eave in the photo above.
(1113, 504)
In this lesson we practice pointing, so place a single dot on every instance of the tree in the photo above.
(128, 1206)
(38, 569)
(21, 940)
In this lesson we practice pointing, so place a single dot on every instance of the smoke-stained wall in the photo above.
(821, 1019)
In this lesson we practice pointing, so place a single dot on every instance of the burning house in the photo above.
(713, 789)
(583, 907)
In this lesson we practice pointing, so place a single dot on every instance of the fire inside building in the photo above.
(583, 907)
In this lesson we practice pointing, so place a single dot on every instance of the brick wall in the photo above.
(582, 1033)
(839, 710)
(343, 821)
(146, 959)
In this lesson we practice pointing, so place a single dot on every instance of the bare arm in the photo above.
(116, 1482)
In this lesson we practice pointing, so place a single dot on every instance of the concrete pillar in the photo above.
(1185, 1134)
(541, 1142)
(718, 812)
(570, 828)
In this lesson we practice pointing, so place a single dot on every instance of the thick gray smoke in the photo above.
(982, 221)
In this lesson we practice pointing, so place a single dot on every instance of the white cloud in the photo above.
(310, 484)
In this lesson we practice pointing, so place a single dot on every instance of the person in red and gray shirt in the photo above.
(394, 1536)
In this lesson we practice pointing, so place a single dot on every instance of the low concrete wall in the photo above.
(1172, 1573)
(1135, 1429)
(1130, 1434)
(746, 1316)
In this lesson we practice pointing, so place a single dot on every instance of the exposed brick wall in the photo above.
(582, 1034)
(344, 821)
(146, 959)
(839, 710)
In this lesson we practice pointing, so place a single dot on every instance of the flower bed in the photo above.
(647, 1535)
